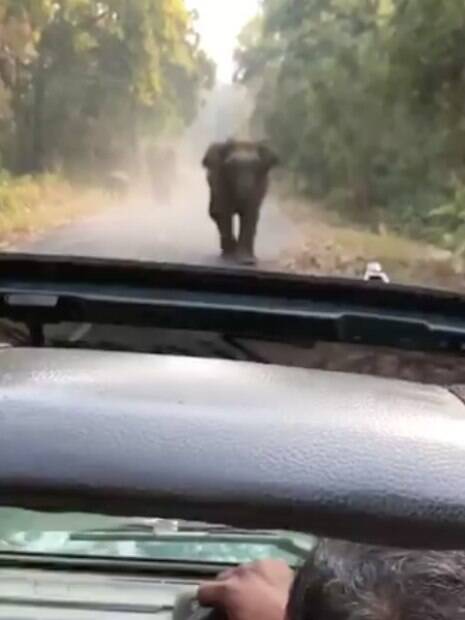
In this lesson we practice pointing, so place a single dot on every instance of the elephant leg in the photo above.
(246, 243)
(224, 221)
(212, 210)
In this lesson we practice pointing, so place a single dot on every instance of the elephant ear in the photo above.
(267, 156)
(214, 156)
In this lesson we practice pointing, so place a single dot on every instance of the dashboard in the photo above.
(253, 445)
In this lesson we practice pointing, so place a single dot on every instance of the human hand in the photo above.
(257, 591)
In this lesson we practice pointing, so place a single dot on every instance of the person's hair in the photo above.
(346, 581)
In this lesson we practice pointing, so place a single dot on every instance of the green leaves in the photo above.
(82, 68)
(365, 98)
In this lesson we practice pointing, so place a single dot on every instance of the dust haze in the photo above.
(174, 227)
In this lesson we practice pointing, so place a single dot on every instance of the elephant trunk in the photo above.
(245, 186)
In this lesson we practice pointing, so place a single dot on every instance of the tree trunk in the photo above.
(38, 146)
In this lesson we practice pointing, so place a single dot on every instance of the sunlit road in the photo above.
(180, 231)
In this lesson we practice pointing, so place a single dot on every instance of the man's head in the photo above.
(345, 581)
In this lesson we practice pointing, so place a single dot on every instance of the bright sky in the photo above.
(220, 21)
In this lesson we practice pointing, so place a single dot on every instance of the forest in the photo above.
(83, 83)
(365, 102)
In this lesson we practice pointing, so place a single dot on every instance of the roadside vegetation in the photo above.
(32, 204)
(85, 88)
(330, 245)
(364, 100)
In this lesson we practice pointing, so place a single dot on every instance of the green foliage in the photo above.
(82, 81)
(447, 222)
(364, 100)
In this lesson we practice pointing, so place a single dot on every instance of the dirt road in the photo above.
(178, 231)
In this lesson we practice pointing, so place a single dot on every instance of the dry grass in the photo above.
(30, 205)
(331, 247)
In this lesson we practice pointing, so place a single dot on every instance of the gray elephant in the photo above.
(238, 177)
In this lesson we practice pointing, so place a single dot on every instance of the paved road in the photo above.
(177, 232)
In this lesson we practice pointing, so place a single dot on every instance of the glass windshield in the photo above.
(89, 536)
(336, 126)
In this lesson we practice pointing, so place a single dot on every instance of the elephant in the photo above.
(238, 177)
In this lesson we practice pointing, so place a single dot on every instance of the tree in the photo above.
(89, 78)
(364, 100)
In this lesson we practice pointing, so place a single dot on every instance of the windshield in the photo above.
(336, 126)
(67, 535)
